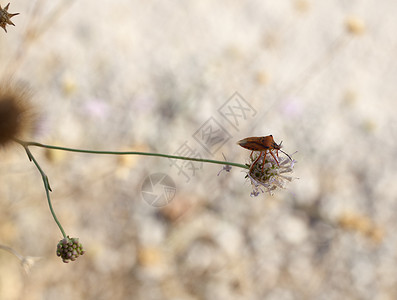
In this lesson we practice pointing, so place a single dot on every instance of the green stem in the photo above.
(46, 184)
(219, 162)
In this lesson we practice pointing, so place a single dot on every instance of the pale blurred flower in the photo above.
(292, 107)
(226, 168)
(27, 262)
(97, 108)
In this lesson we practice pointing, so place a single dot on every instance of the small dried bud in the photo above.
(69, 249)
(17, 117)
(5, 17)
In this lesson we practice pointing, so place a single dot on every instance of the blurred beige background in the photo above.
(147, 76)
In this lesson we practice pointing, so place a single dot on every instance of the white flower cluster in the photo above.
(270, 175)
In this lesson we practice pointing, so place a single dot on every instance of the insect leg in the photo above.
(274, 157)
(263, 162)
(259, 156)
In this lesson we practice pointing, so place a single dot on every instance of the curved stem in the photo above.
(219, 162)
(12, 251)
(46, 184)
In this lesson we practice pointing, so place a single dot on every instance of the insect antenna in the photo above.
(286, 154)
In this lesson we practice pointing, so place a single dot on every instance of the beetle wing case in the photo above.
(253, 143)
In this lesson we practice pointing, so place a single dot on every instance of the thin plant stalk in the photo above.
(47, 186)
(219, 162)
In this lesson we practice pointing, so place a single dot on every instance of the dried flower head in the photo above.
(17, 117)
(270, 175)
(69, 249)
(5, 17)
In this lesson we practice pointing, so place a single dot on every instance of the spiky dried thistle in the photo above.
(5, 17)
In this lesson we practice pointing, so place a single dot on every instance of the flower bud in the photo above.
(69, 249)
